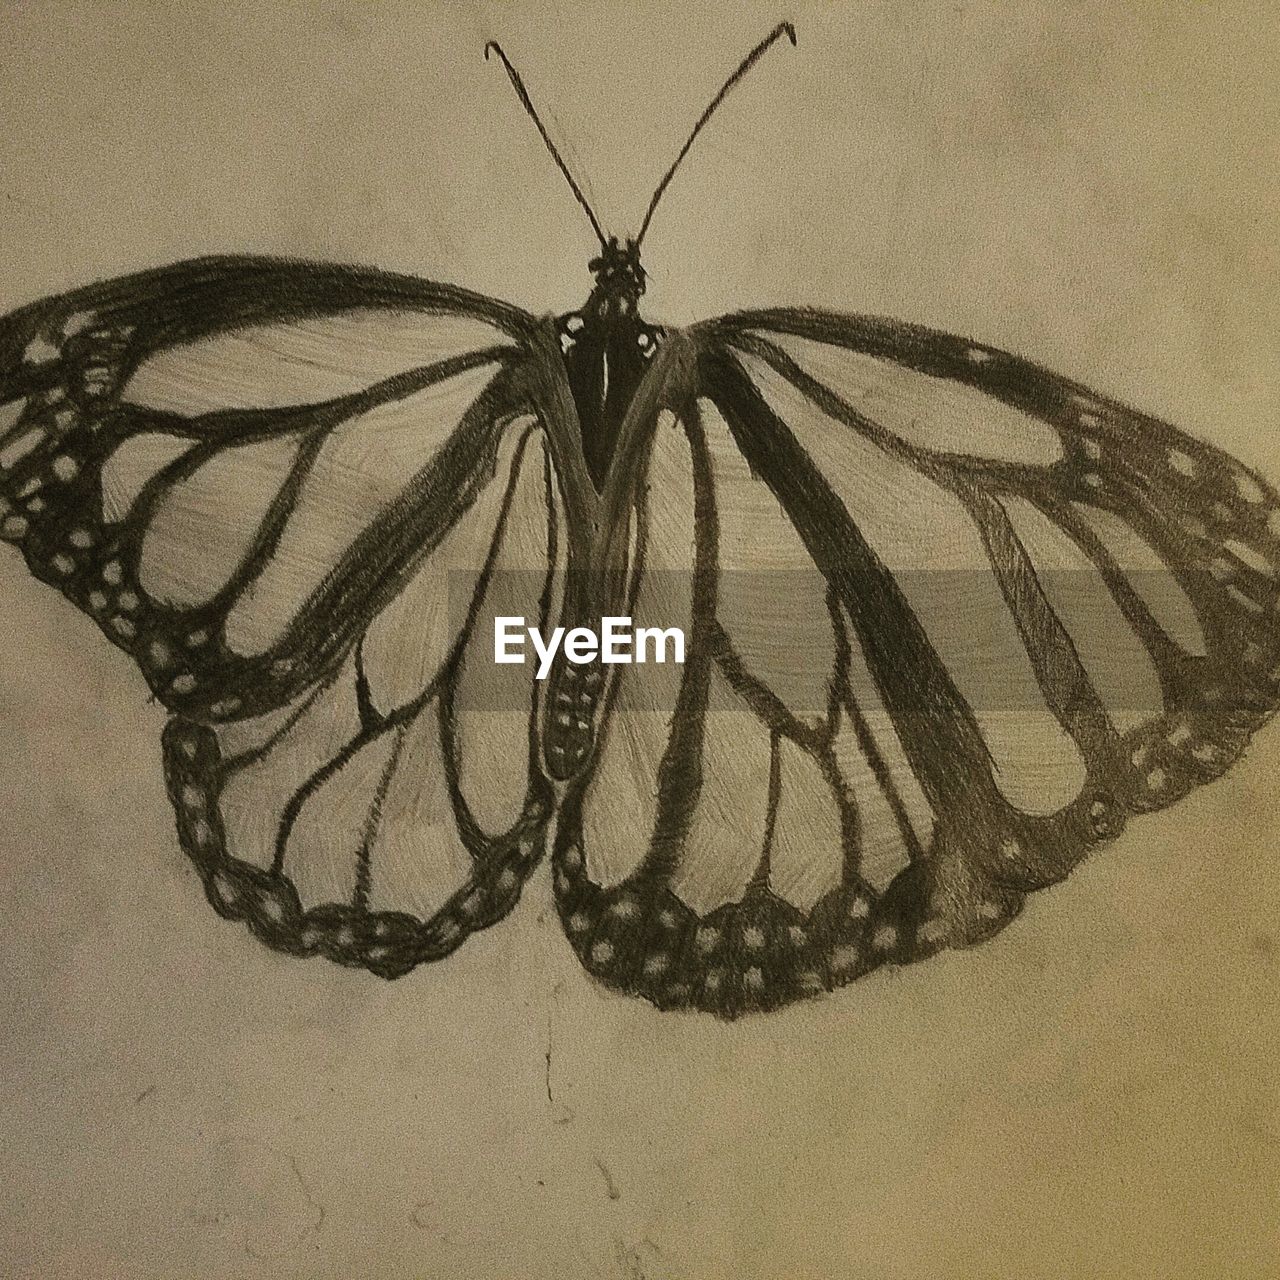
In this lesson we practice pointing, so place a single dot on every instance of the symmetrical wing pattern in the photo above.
(1038, 612)
(951, 619)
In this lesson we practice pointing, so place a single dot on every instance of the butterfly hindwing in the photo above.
(986, 615)
(399, 805)
(708, 859)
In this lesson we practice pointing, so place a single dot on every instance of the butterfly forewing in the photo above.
(229, 463)
(1175, 538)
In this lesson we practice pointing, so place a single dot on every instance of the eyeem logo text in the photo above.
(616, 642)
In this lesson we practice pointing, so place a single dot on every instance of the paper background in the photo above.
(1091, 1095)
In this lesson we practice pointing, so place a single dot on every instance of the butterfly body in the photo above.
(607, 349)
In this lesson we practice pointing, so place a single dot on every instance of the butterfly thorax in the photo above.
(607, 347)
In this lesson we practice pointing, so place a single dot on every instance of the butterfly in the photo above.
(952, 618)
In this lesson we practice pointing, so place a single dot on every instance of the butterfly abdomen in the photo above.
(569, 721)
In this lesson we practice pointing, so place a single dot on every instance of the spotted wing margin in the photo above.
(910, 809)
(398, 805)
(233, 464)
(678, 865)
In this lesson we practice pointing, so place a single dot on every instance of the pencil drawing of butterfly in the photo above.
(261, 478)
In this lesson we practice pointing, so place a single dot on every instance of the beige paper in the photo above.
(1092, 1094)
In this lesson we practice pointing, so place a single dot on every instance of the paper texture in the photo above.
(1090, 1095)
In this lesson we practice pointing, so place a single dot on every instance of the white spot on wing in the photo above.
(10, 413)
(19, 447)
(1250, 490)
(40, 350)
(1250, 556)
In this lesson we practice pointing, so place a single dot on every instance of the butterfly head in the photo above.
(619, 277)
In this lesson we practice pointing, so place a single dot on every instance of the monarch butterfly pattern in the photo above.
(265, 479)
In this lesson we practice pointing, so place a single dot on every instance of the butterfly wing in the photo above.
(952, 619)
(290, 492)
(398, 805)
(179, 447)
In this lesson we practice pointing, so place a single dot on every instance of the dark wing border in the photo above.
(96, 337)
(985, 855)
(388, 943)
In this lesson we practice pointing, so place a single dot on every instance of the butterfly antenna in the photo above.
(525, 101)
(782, 29)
